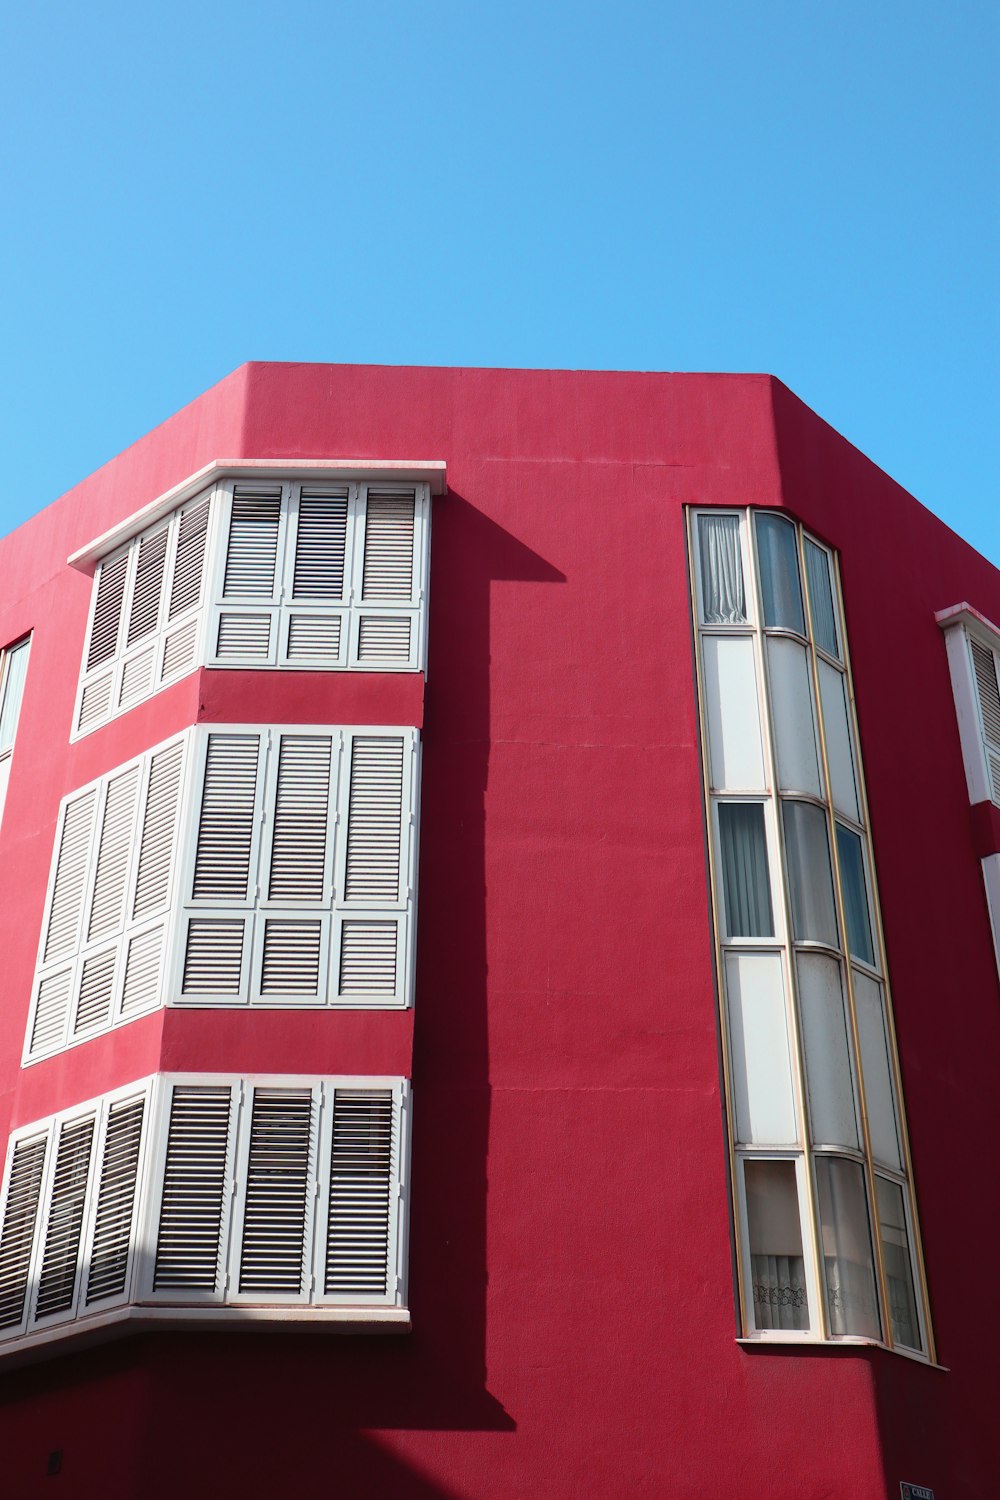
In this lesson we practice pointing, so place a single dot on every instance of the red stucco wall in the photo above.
(570, 1269)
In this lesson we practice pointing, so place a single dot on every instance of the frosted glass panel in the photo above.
(828, 1068)
(735, 754)
(758, 1044)
(838, 741)
(774, 1230)
(778, 565)
(792, 716)
(722, 597)
(821, 598)
(746, 884)
(810, 883)
(879, 1092)
(898, 1265)
(851, 1303)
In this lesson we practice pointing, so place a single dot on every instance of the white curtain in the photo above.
(777, 560)
(821, 598)
(807, 852)
(721, 570)
(779, 1292)
(852, 1305)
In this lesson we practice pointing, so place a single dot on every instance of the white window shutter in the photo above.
(247, 623)
(104, 629)
(116, 1189)
(70, 884)
(189, 564)
(114, 849)
(373, 863)
(193, 1209)
(280, 1174)
(97, 982)
(984, 667)
(147, 589)
(320, 562)
(387, 575)
(67, 1199)
(226, 824)
(298, 854)
(157, 837)
(363, 1194)
(17, 1228)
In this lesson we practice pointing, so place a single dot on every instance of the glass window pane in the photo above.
(807, 853)
(13, 690)
(722, 598)
(898, 1265)
(839, 749)
(824, 619)
(852, 876)
(792, 715)
(879, 1092)
(734, 738)
(758, 1046)
(848, 1272)
(778, 563)
(745, 876)
(777, 1269)
(828, 1060)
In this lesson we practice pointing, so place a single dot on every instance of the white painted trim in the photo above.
(432, 472)
(965, 614)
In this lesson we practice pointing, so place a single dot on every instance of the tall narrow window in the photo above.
(13, 669)
(828, 1247)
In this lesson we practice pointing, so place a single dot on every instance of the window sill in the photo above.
(119, 1322)
(833, 1346)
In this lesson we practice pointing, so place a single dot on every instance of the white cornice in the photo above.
(416, 471)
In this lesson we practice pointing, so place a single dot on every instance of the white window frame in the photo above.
(138, 1306)
(7, 755)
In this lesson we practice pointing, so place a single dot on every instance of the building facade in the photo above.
(499, 874)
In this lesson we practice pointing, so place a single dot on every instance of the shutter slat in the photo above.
(213, 956)
(374, 829)
(251, 555)
(279, 1184)
(363, 1177)
(51, 1009)
(137, 678)
(225, 830)
(108, 907)
(185, 590)
(384, 639)
(157, 841)
(984, 663)
(389, 538)
(320, 545)
(71, 877)
(367, 958)
(117, 1179)
(64, 1225)
(189, 1231)
(17, 1235)
(95, 701)
(301, 812)
(145, 609)
(141, 990)
(107, 610)
(178, 651)
(290, 964)
(93, 1006)
(314, 637)
(244, 637)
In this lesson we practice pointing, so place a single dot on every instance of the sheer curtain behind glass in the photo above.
(721, 570)
(745, 880)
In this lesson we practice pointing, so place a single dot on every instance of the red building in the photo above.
(497, 873)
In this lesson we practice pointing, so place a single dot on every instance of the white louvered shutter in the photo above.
(375, 874)
(113, 851)
(106, 624)
(246, 628)
(67, 1199)
(192, 1217)
(984, 667)
(17, 1228)
(116, 1192)
(363, 1197)
(189, 564)
(158, 834)
(147, 587)
(386, 633)
(70, 884)
(279, 1172)
(315, 631)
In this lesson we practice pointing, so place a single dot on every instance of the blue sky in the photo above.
(809, 190)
